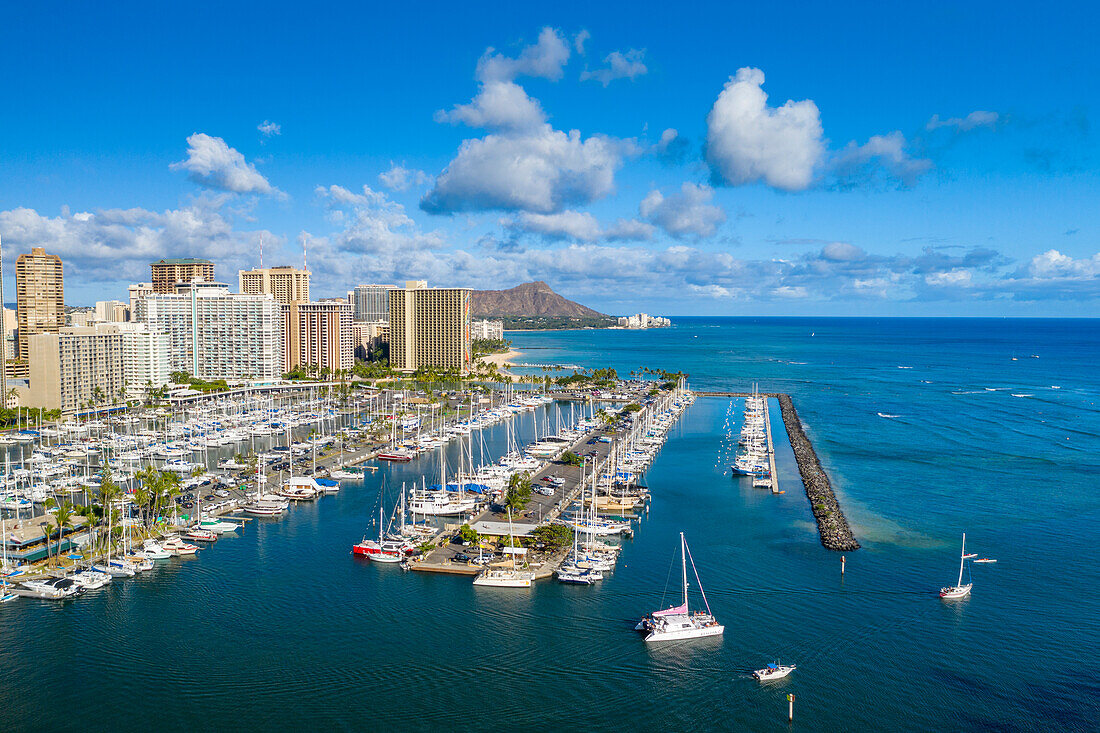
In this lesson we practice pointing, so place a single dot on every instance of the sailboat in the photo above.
(959, 590)
(678, 622)
(507, 577)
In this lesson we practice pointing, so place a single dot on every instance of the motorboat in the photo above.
(51, 589)
(153, 551)
(678, 622)
(341, 474)
(197, 533)
(219, 526)
(178, 547)
(91, 579)
(774, 671)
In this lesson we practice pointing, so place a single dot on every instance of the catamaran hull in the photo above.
(503, 582)
(679, 634)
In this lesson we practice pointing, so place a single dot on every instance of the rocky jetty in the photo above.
(831, 522)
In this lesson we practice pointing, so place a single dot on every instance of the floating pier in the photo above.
(832, 525)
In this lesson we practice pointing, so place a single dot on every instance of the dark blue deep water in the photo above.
(927, 427)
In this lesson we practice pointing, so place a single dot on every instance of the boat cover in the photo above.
(672, 611)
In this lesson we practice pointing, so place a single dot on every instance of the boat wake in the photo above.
(905, 367)
(888, 415)
(969, 391)
(1021, 394)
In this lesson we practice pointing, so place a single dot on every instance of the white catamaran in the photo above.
(678, 622)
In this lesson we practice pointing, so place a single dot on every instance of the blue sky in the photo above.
(840, 159)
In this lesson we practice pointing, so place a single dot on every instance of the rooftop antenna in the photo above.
(261, 251)
(305, 262)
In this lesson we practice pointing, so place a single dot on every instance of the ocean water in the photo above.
(927, 428)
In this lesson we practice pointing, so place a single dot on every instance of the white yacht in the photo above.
(52, 589)
(153, 551)
(678, 622)
(91, 579)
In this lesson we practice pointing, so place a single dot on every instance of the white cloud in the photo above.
(579, 39)
(545, 59)
(499, 105)
(108, 245)
(977, 118)
(881, 152)
(710, 291)
(579, 226)
(842, 252)
(373, 224)
(212, 163)
(268, 128)
(792, 292)
(543, 170)
(1052, 264)
(619, 66)
(748, 141)
(400, 178)
(683, 213)
(957, 278)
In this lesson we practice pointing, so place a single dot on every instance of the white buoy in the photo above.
(842, 565)
(790, 708)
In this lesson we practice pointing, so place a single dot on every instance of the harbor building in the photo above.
(166, 273)
(39, 296)
(216, 334)
(487, 330)
(318, 334)
(285, 283)
(75, 368)
(371, 303)
(429, 327)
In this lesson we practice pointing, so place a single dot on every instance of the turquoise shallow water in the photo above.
(282, 628)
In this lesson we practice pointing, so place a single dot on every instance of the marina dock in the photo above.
(832, 525)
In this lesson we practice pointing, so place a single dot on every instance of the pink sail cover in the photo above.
(672, 611)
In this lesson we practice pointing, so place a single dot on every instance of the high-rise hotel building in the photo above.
(318, 334)
(215, 334)
(286, 284)
(39, 297)
(371, 303)
(166, 273)
(429, 327)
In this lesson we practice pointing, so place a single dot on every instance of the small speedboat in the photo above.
(984, 559)
(198, 534)
(178, 547)
(775, 671)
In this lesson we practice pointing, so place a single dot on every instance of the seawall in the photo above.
(832, 525)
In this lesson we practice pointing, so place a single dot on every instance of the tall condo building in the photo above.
(145, 362)
(215, 334)
(318, 334)
(166, 273)
(287, 284)
(75, 368)
(371, 303)
(39, 296)
(429, 327)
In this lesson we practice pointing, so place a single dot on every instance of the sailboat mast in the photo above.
(962, 561)
(684, 564)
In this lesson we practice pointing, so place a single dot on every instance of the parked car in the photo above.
(461, 557)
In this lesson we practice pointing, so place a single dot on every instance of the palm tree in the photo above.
(64, 517)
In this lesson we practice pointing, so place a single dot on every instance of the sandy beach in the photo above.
(500, 360)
